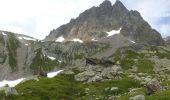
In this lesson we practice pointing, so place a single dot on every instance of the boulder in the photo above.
(95, 79)
(11, 91)
(114, 89)
(137, 97)
(84, 76)
(153, 86)
(113, 72)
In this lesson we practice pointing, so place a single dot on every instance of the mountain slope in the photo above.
(96, 21)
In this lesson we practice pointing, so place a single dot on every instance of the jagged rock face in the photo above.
(96, 21)
(167, 40)
(13, 57)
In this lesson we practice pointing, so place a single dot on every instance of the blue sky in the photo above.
(38, 17)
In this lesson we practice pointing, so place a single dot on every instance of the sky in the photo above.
(37, 18)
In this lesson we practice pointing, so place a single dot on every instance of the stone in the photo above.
(84, 76)
(114, 89)
(113, 72)
(10, 91)
(67, 72)
(95, 79)
(137, 97)
(153, 86)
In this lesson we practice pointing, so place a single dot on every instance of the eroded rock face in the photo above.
(96, 21)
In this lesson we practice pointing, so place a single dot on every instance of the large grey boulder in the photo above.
(99, 73)
(9, 90)
(84, 76)
(113, 72)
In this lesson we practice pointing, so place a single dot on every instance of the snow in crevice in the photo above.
(132, 41)
(59, 61)
(60, 39)
(11, 83)
(52, 58)
(27, 38)
(53, 74)
(93, 39)
(113, 32)
(3, 34)
(77, 40)
(26, 44)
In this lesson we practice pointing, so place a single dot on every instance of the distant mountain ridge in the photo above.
(95, 22)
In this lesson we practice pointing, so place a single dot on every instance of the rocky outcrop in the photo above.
(96, 21)
(99, 73)
(153, 86)
(103, 62)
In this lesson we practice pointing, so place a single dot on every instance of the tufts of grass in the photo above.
(64, 87)
(43, 61)
(127, 60)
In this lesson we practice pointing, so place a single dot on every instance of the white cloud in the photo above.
(165, 29)
(38, 17)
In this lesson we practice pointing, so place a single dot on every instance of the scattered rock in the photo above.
(68, 72)
(95, 79)
(9, 90)
(84, 76)
(137, 97)
(113, 72)
(153, 86)
(114, 88)
(99, 73)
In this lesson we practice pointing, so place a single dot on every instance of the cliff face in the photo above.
(96, 21)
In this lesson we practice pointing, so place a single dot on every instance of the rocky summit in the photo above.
(95, 22)
(106, 53)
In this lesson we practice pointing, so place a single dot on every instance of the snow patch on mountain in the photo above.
(93, 39)
(11, 83)
(113, 32)
(131, 41)
(52, 58)
(27, 38)
(59, 61)
(53, 74)
(60, 39)
(26, 44)
(3, 34)
(77, 40)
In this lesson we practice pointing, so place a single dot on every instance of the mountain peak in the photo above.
(106, 3)
(119, 4)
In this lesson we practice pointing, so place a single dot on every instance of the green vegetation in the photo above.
(3, 56)
(2, 39)
(64, 87)
(42, 61)
(79, 56)
(138, 91)
(12, 45)
(160, 52)
(160, 96)
(130, 58)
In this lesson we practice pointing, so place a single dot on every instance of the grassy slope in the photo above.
(64, 87)
(131, 58)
